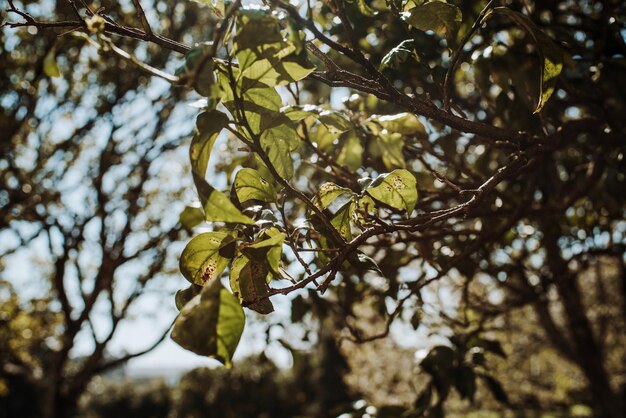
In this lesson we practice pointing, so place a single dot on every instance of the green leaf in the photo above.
(397, 189)
(261, 104)
(351, 154)
(442, 18)
(208, 126)
(50, 66)
(256, 26)
(335, 122)
(328, 192)
(268, 250)
(211, 324)
(248, 279)
(402, 123)
(363, 206)
(298, 113)
(191, 217)
(392, 145)
(250, 185)
(552, 55)
(206, 256)
(341, 221)
(218, 207)
(278, 143)
(399, 55)
(270, 67)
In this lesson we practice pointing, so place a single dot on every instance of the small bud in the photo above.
(95, 24)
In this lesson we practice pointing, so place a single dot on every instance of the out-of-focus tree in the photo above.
(139, 399)
(91, 173)
(313, 387)
(256, 387)
(478, 143)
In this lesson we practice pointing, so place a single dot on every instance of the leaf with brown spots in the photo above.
(397, 189)
(206, 256)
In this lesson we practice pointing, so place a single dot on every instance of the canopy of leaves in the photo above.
(478, 154)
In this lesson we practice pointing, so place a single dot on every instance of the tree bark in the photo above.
(588, 353)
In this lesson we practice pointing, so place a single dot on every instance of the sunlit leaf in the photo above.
(217, 6)
(341, 221)
(397, 189)
(400, 54)
(218, 207)
(206, 256)
(335, 122)
(256, 26)
(267, 66)
(261, 105)
(351, 154)
(278, 143)
(250, 185)
(392, 145)
(440, 17)
(402, 123)
(328, 192)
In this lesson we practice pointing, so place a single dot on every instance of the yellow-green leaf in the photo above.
(440, 17)
(351, 154)
(50, 66)
(206, 256)
(219, 208)
(278, 143)
(328, 192)
(397, 189)
(402, 123)
(250, 185)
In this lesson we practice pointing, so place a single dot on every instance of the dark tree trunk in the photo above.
(56, 402)
(588, 354)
